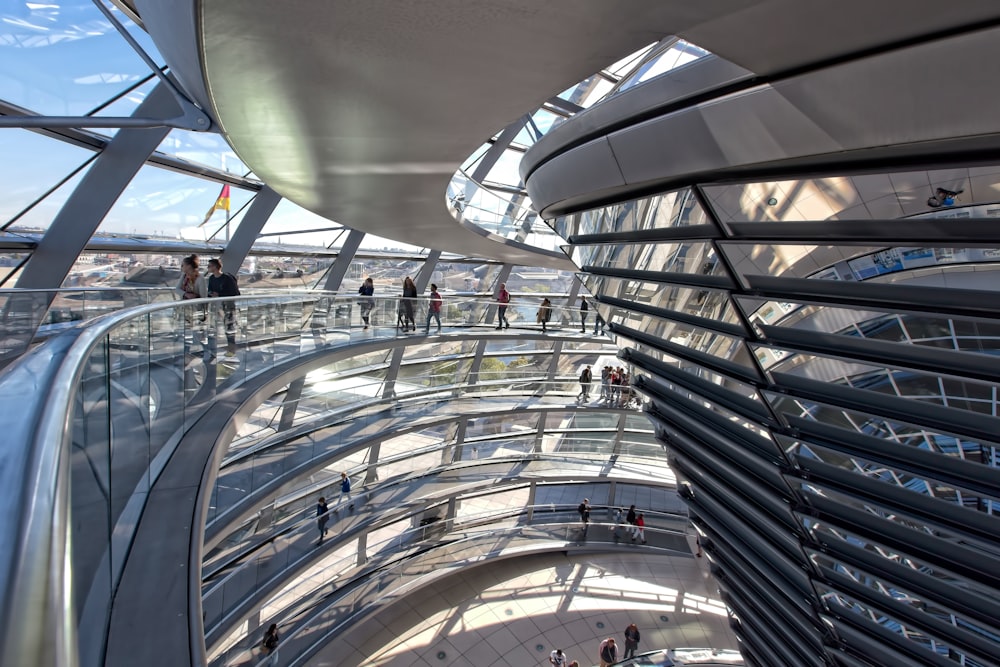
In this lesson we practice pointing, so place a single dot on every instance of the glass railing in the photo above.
(120, 393)
(248, 479)
(244, 586)
(555, 457)
(392, 565)
(31, 316)
(364, 422)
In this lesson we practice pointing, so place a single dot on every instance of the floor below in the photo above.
(515, 611)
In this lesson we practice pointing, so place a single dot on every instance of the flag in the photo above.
(221, 203)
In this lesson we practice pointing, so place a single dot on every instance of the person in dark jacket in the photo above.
(269, 645)
(222, 285)
(367, 300)
(322, 517)
(586, 376)
(345, 489)
(408, 303)
(631, 641)
(584, 511)
(583, 314)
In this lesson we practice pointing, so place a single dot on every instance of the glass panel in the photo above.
(897, 594)
(861, 197)
(291, 224)
(125, 105)
(672, 209)
(592, 89)
(696, 258)
(711, 304)
(677, 54)
(203, 148)
(9, 267)
(164, 203)
(66, 59)
(35, 163)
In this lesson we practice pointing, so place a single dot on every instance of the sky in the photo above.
(68, 59)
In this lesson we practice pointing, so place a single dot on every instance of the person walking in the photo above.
(583, 314)
(631, 641)
(630, 520)
(557, 658)
(584, 510)
(619, 514)
(409, 299)
(367, 300)
(544, 313)
(322, 517)
(222, 284)
(598, 323)
(640, 528)
(503, 298)
(586, 377)
(269, 645)
(433, 309)
(608, 652)
(345, 490)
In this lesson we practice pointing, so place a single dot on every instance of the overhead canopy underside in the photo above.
(362, 110)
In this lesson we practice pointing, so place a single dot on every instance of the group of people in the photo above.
(407, 305)
(635, 524)
(558, 658)
(615, 389)
(544, 313)
(607, 651)
(192, 285)
(635, 521)
(323, 508)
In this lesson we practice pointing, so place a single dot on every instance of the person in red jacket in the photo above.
(640, 528)
(503, 298)
(434, 309)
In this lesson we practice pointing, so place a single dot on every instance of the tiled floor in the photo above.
(514, 612)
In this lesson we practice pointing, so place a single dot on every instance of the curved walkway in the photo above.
(250, 482)
(229, 599)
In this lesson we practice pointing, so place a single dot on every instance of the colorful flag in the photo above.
(221, 203)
